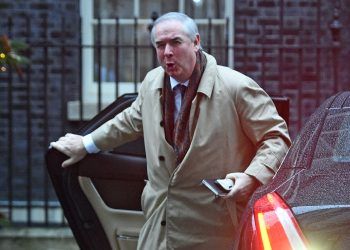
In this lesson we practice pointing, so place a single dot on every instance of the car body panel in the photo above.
(314, 180)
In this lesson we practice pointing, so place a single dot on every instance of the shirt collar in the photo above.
(174, 83)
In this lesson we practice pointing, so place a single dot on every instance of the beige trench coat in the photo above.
(234, 127)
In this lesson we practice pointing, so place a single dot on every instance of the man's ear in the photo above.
(197, 42)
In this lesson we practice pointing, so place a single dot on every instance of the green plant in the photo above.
(10, 54)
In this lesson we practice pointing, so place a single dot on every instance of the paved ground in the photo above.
(37, 239)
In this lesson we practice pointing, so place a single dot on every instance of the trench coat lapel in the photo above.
(158, 113)
(204, 93)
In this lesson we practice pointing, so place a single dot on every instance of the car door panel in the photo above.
(113, 184)
(119, 179)
(101, 194)
(121, 226)
(77, 209)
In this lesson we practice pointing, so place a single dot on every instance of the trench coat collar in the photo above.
(207, 81)
(159, 80)
(206, 84)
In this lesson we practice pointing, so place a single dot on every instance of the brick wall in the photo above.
(257, 22)
(308, 75)
(36, 22)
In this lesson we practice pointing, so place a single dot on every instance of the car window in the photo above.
(333, 146)
(341, 151)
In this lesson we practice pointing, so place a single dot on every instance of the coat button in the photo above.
(161, 123)
(163, 223)
(161, 158)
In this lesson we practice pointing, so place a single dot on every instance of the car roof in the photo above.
(341, 100)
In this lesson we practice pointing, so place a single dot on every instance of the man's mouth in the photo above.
(170, 66)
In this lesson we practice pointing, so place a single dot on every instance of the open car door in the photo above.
(101, 195)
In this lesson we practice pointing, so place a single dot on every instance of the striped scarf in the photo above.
(177, 133)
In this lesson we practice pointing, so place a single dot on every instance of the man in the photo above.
(225, 126)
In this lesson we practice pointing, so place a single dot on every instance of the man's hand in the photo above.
(244, 186)
(72, 146)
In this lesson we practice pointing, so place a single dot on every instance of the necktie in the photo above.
(179, 89)
(182, 89)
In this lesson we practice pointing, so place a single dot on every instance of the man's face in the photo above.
(176, 52)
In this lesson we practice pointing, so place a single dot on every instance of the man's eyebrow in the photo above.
(159, 43)
(171, 39)
(176, 38)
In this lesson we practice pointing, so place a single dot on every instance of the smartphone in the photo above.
(220, 187)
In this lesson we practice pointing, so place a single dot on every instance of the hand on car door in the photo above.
(72, 146)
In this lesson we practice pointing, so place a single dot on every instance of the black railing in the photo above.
(34, 109)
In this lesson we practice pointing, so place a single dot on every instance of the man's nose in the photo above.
(168, 50)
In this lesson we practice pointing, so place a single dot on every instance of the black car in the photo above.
(307, 204)
(101, 195)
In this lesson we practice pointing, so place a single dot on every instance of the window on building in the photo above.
(117, 50)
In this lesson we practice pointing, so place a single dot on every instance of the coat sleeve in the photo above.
(265, 128)
(124, 127)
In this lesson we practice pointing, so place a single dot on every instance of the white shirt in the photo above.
(92, 148)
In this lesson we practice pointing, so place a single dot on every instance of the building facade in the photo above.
(83, 54)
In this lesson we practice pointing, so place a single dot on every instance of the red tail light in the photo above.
(276, 226)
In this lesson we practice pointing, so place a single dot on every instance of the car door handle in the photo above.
(127, 237)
